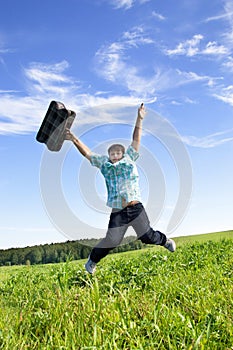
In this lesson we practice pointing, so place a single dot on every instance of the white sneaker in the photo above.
(90, 266)
(170, 245)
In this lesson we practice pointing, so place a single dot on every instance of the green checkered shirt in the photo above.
(121, 178)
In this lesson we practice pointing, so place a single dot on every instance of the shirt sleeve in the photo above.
(98, 160)
(132, 153)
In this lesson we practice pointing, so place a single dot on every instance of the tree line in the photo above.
(59, 252)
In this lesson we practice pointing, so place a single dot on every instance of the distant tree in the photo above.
(85, 251)
(14, 258)
(34, 256)
(59, 252)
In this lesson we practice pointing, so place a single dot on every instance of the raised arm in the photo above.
(137, 133)
(83, 149)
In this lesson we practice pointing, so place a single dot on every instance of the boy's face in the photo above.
(115, 155)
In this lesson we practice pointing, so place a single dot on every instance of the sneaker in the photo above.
(170, 245)
(90, 266)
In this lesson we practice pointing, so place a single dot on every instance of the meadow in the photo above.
(146, 299)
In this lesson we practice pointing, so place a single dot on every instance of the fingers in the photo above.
(142, 107)
(141, 111)
(68, 134)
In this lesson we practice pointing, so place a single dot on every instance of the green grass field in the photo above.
(146, 299)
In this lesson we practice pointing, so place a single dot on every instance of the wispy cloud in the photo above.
(219, 17)
(229, 64)
(8, 91)
(192, 77)
(4, 51)
(49, 78)
(192, 47)
(190, 101)
(225, 94)
(23, 113)
(188, 47)
(126, 4)
(113, 63)
(212, 48)
(186, 100)
(210, 141)
(228, 7)
(227, 16)
(158, 16)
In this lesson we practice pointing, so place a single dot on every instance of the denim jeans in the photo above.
(119, 221)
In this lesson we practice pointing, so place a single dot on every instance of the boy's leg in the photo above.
(145, 232)
(149, 236)
(114, 236)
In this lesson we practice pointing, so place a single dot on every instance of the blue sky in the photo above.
(102, 58)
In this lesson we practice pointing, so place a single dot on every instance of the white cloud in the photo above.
(210, 141)
(188, 47)
(189, 100)
(158, 16)
(229, 64)
(8, 91)
(3, 51)
(175, 103)
(219, 17)
(192, 47)
(49, 78)
(135, 38)
(227, 16)
(212, 48)
(126, 4)
(19, 114)
(184, 100)
(44, 82)
(190, 77)
(112, 63)
(22, 114)
(225, 94)
(228, 7)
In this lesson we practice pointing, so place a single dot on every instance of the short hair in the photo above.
(116, 146)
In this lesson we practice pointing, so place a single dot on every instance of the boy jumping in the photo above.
(122, 181)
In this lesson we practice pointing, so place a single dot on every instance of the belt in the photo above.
(131, 203)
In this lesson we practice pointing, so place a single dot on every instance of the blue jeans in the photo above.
(119, 221)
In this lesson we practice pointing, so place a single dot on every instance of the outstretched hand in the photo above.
(68, 135)
(141, 111)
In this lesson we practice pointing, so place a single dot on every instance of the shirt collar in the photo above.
(109, 164)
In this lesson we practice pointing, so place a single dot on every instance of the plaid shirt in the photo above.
(121, 178)
(52, 130)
